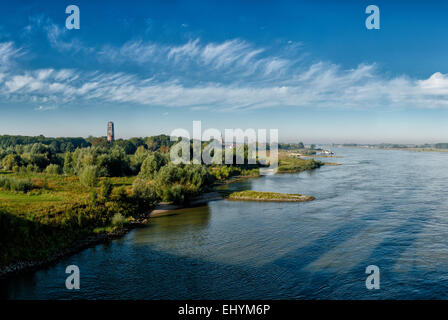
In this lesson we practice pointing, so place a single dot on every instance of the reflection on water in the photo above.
(380, 207)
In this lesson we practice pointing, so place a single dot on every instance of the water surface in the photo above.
(381, 207)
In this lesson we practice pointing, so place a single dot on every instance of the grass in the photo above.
(251, 195)
(56, 212)
(29, 197)
(291, 164)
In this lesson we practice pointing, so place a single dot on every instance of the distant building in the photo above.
(110, 131)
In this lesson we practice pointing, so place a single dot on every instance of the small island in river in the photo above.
(250, 195)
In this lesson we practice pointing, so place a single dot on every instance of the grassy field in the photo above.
(250, 195)
(56, 212)
(53, 192)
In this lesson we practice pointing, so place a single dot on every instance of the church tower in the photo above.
(110, 132)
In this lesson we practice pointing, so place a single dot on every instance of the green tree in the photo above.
(151, 165)
(10, 161)
(89, 176)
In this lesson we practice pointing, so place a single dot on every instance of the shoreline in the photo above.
(398, 149)
(104, 237)
(298, 199)
(162, 209)
(76, 247)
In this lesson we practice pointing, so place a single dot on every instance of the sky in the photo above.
(310, 69)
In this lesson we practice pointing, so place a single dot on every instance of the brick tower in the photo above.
(110, 132)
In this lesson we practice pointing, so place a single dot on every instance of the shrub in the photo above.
(14, 184)
(118, 220)
(94, 198)
(53, 169)
(89, 176)
(31, 168)
(144, 192)
(178, 183)
(106, 189)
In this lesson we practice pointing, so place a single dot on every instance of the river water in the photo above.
(380, 207)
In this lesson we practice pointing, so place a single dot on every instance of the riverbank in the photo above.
(106, 236)
(164, 209)
(75, 247)
(24, 265)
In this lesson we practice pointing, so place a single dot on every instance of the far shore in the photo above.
(398, 149)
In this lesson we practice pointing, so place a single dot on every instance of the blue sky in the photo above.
(309, 68)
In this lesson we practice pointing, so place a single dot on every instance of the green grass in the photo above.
(268, 196)
(28, 197)
(290, 164)
(58, 211)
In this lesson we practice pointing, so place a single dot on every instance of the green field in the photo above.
(56, 212)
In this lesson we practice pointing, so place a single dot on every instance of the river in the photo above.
(380, 207)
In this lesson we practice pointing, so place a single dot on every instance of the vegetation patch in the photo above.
(250, 195)
(290, 164)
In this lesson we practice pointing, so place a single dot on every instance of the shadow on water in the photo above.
(185, 220)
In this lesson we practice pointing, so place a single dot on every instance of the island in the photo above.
(250, 195)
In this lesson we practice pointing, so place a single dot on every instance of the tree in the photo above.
(151, 165)
(178, 183)
(89, 176)
(10, 161)
(301, 145)
(68, 164)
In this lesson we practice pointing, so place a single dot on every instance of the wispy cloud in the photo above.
(259, 80)
(208, 61)
(7, 53)
(45, 108)
(57, 35)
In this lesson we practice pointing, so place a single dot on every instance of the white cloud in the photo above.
(45, 108)
(203, 59)
(273, 82)
(436, 84)
(7, 52)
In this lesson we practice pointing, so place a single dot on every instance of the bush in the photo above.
(106, 189)
(13, 184)
(144, 192)
(94, 198)
(118, 220)
(89, 176)
(31, 168)
(53, 169)
(178, 183)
